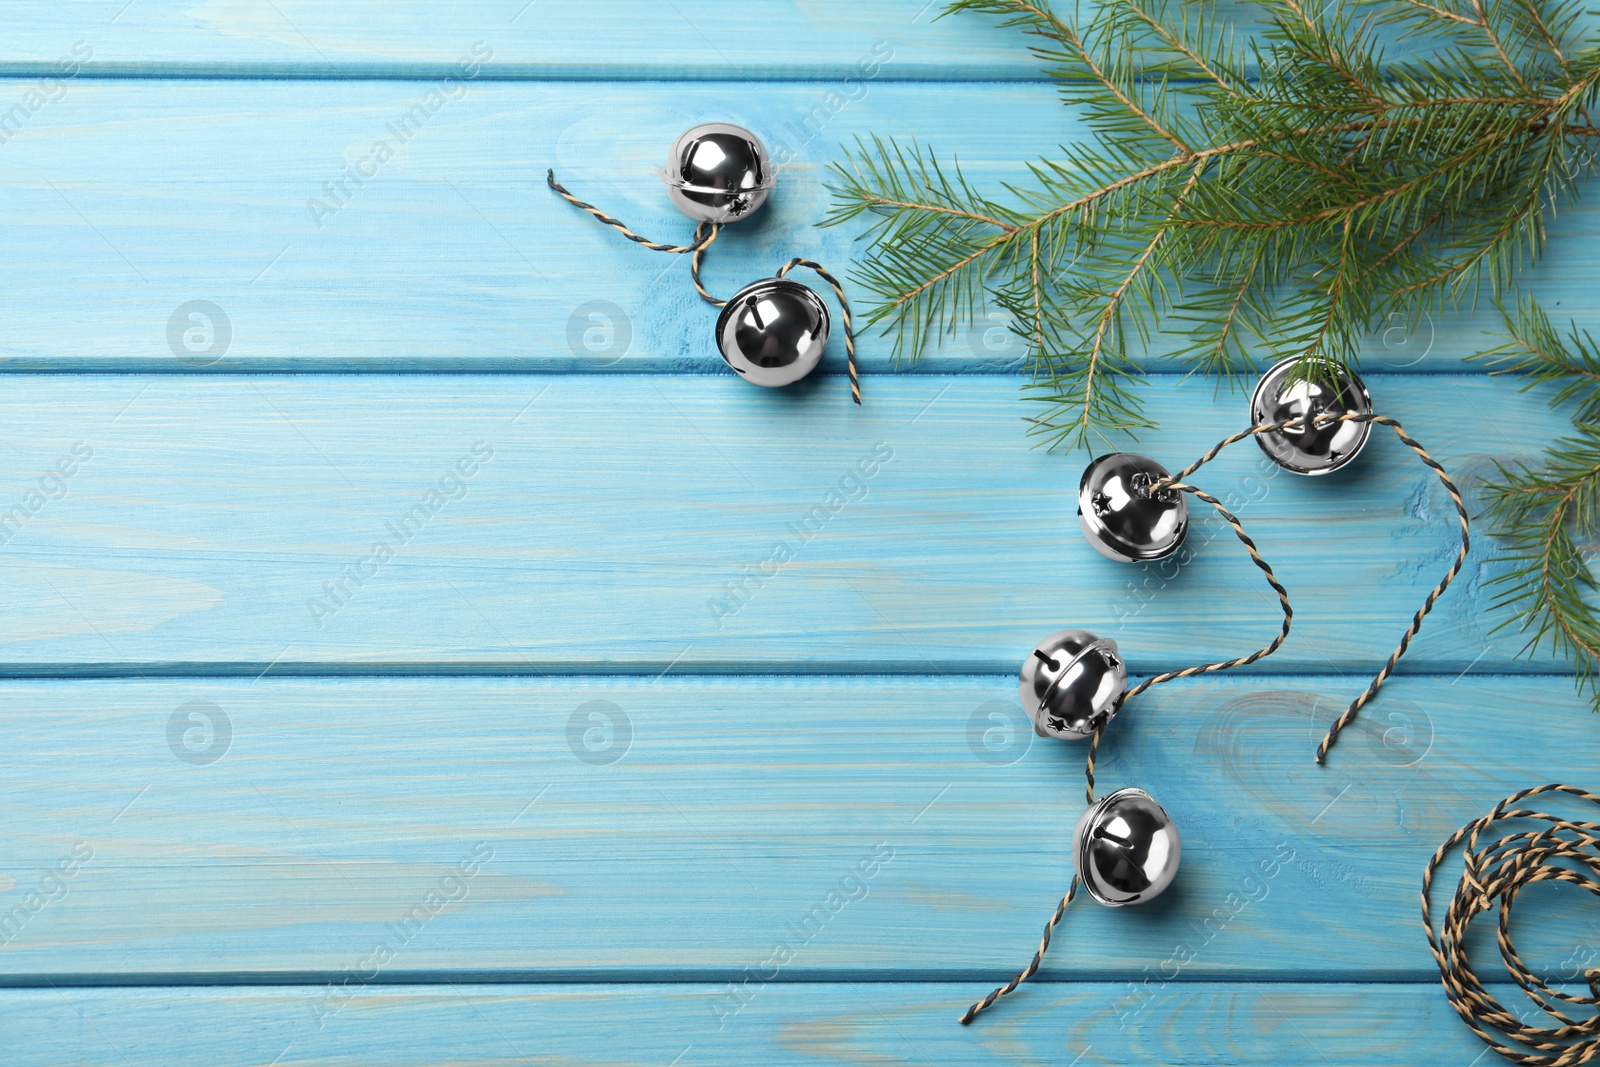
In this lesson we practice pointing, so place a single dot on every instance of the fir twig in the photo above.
(1283, 197)
(1542, 356)
(1546, 514)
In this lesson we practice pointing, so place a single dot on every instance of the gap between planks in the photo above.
(689, 976)
(654, 672)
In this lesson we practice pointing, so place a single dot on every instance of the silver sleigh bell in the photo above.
(1313, 449)
(719, 173)
(1119, 515)
(1125, 848)
(773, 331)
(1071, 684)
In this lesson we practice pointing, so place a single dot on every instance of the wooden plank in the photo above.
(638, 523)
(857, 1023)
(635, 39)
(128, 201)
(566, 39)
(633, 829)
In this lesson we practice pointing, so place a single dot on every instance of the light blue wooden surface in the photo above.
(130, 197)
(214, 524)
(859, 1022)
(539, 685)
(731, 808)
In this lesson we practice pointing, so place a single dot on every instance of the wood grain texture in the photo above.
(129, 199)
(636, 523)
(803, 1026)
(686, 40)
(577, 788)
(638, 829)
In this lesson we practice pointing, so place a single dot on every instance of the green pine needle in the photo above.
(1285, 195)
(1547, 514)
(1543, 357)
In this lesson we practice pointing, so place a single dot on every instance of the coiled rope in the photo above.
(1549, 848)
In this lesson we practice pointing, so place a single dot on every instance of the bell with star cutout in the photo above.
(718, 172)
(1072, 684)
(1122, 518)
(1312, 449)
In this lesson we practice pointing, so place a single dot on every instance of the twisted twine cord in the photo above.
(704, 234)
(1094, 742)
(1564, 850)
(1177, 482)
(1329, 419)
(844, 308)
(699, 250)
(700, 241)
(1033, 965)
(1272, 580)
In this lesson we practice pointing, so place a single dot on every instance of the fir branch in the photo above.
(1218, 70)
(1440, 12)
(1290, 210)
(1112, 310)
(1215, 343)
(1538, 353)
(1546, 514)
(1537, 511)
(1494, 41)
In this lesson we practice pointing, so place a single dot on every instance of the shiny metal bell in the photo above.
(1125, 848)
(718, 173)
(773, 332)
(1313, 450)
(1121, 518)
(1071, 683)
